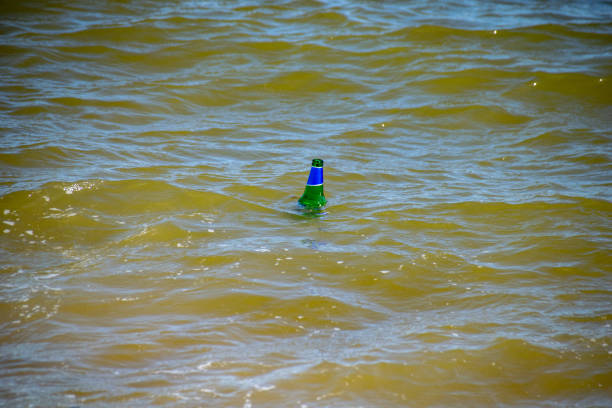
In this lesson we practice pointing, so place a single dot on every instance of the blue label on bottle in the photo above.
(316, 176)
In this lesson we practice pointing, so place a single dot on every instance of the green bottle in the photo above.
(313, 196)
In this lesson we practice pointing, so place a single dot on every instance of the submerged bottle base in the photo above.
(310, 212)
(311, 206)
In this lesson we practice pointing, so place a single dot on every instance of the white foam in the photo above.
(205, 366)
(264, 387)
(78, 187)
(126, 299)
(208, 391)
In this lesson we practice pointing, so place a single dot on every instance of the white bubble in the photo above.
(384, 272)
(29, 232)
(7, 222)
(6, 212)
(211, 230)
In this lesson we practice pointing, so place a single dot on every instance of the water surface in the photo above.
(151, 157)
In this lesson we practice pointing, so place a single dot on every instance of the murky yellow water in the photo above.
(151, 156)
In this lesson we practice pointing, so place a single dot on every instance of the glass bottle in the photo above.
(313, 196)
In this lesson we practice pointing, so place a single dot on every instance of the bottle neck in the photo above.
(315, 177)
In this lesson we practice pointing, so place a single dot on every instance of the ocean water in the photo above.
(152, 253)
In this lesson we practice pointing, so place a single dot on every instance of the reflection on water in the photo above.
(153, 254)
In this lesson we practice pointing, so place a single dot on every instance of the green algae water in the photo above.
(152, 154)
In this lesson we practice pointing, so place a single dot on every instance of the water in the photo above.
(152, 155)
